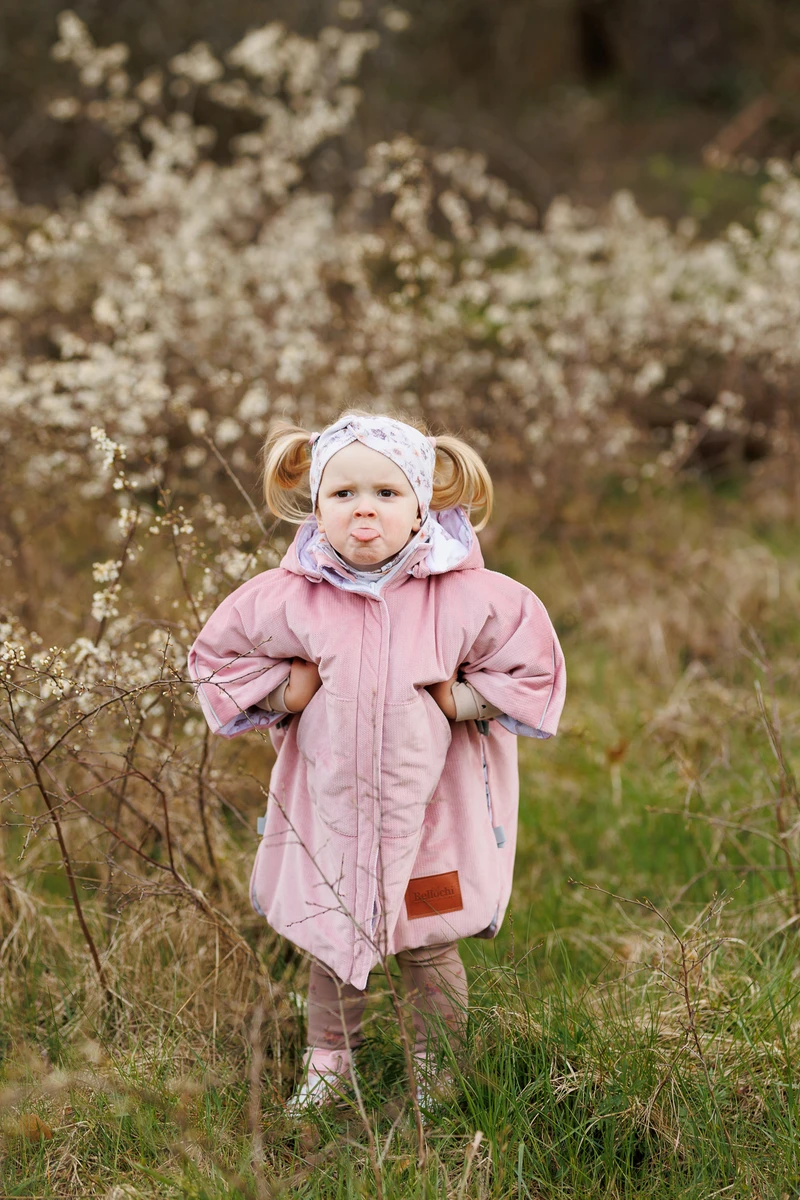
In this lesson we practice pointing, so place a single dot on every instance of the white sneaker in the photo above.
(326, 1076)
(433, 1087)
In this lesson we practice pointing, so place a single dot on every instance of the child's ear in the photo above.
(417, 523)
(319, 518)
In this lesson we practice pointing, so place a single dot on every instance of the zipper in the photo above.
(497, 830)
(374, 907)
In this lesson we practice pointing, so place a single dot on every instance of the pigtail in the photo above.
(461, 478)
(286, 458)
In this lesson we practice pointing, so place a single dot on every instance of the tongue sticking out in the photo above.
(365, 535)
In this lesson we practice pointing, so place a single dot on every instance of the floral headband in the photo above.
(411, 450)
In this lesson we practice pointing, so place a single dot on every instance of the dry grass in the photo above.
(679, 1006)
(631, 1036)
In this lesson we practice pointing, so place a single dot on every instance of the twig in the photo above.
(784, 839)
(409, 1061)
(101, 628)
(776, 742)
(472, 1150)
(375, 1158)
(210, 443)
(201, 801)
(684, 984)
(254, 1103)
(713, 819)
(65, 858)
(187, 591)
(719, 151)
(194, 895)
(788, 783)
(124, 801)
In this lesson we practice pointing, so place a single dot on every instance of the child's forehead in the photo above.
(358, 462)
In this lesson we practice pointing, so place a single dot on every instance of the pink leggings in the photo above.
(436, 987)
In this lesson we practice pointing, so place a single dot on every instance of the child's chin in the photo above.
(365, 556)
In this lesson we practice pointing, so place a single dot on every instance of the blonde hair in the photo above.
(460, 476)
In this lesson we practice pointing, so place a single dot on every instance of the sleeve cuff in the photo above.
(470, 704)
(520, 728)
(275, 701)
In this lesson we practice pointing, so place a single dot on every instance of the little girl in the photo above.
(394, 673)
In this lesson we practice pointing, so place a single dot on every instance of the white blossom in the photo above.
(106, 572)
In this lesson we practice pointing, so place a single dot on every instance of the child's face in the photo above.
(366, 506)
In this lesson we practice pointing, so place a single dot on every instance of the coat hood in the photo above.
(446, 542)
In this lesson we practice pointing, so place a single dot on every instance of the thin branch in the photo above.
(684, 983)
(223, 461)
(201, 800)
(66, 860)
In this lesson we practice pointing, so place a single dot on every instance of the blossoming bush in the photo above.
(202, 289)
(150, 330)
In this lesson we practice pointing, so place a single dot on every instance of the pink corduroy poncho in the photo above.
(388, 826)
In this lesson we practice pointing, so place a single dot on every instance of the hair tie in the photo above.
(312, 437)
(432, 441)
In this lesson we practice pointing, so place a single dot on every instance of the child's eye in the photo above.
(344, 492)
(384, 492)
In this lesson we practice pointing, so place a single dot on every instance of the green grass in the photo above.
(613, 1050)
(578, 1091)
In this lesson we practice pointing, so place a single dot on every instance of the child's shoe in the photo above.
(327, 1075)
(434, 1086)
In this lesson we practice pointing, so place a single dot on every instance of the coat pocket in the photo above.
(326, 740)
(416, 739)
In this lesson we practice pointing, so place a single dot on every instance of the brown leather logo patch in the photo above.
(433, 894)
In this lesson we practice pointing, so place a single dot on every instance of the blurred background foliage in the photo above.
(576, 96)
(477, 241)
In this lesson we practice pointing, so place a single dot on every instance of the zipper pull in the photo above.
(483, 727)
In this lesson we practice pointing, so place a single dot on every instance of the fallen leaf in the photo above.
(33, 1128)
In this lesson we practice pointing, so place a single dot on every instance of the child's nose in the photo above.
(365, 507)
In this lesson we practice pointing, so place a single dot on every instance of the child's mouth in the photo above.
(365, 535)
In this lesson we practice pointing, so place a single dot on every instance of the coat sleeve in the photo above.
(516, 661)
(242, 653)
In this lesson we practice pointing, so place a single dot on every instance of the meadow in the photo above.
(633, 387)
(633, 1030)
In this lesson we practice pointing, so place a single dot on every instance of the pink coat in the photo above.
(389, 827)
